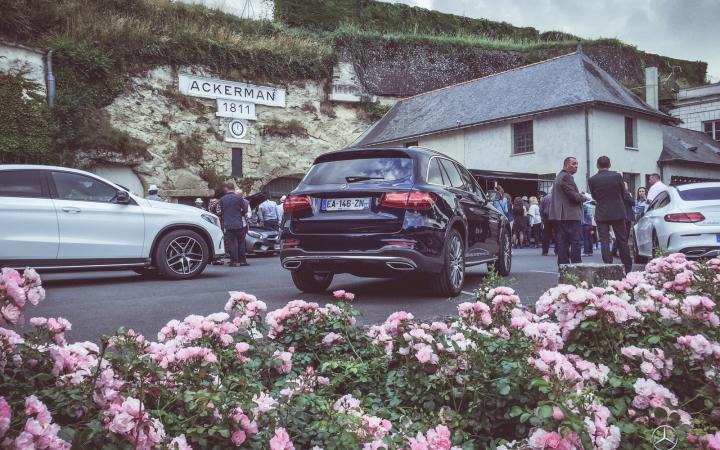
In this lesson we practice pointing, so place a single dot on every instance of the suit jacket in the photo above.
(608, 190)
(566, 202)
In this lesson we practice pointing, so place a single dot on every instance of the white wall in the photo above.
(693, 115)
(18, 58)
(607, 137)
(452, 144)
(259, 9)
(555, 137)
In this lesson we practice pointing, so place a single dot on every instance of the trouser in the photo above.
(568, 238)
(620, 229)
(535, 232)
(548, 234)
(588, 239)
(236, 242)
(271, 224)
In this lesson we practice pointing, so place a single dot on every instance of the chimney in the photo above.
(651, 86)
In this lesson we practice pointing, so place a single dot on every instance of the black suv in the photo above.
(391, 212)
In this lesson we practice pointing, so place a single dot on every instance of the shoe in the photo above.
(544, 254)
(232, 264)
(243, 264)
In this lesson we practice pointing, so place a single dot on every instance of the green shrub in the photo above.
(25, 122)
(282, 129)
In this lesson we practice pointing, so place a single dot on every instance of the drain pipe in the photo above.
(50, 81)
(587, 149)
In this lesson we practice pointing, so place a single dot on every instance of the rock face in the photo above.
(152, 110)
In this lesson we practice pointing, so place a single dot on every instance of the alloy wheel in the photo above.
(184, 255)
(507, 251)
(457, 264)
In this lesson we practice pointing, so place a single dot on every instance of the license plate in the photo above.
(276, 247)
(717, 237)
(345, 204)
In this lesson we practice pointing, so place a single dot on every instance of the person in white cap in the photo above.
(153, 194)
(280, 208)
(199, 203)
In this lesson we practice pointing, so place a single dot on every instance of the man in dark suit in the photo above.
(608, 189)
(566, 213)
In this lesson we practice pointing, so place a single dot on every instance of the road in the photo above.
(98, 303)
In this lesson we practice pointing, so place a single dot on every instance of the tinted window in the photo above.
(21, 183)
(699, 194)
(434, 174)
(72, 186)
(661, 200)
(452, 172)
(342, 171)
(470, 181)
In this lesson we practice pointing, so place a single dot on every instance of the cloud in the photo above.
(680, 29)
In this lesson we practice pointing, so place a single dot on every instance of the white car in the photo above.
(683, 219)
(55, 218)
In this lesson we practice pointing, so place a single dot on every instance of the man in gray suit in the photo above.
(608, 189)
(567, 214)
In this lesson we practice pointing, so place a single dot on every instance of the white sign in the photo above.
(237, 129)
(236, 110)
(242, 92)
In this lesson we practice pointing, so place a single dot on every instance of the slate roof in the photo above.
(567, 81)
(688, 146)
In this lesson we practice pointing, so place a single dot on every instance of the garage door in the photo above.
(123, 176)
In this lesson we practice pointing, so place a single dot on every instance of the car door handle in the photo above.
(71, 210)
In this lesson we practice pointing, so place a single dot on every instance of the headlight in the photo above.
(212, 219)
(255, 234)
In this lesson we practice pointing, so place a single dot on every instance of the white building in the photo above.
(688, 156)
(516, 127)
(699, 109)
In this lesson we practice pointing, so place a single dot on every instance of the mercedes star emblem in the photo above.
(664, 437)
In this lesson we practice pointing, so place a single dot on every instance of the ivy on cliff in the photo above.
(25, 121)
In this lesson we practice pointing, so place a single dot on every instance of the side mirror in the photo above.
(493, 196)
(122, 197)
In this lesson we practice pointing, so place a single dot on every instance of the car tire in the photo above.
(181, 254)
(639, 259)
(311, 282)
(503, 263)
(655, 245)
(449, 282)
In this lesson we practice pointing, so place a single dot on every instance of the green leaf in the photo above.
(515, 411)
(615, 382)
(545, 412)
(628, 428)
(654, 340)
(524, 417)
(660, 413)
(504, 389)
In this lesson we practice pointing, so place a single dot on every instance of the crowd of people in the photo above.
(236, 217)
(578, 221)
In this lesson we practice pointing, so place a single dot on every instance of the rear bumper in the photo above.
(695, 242)
(388, 262)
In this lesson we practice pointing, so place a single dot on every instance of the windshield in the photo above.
(699, 194)
(360, 170)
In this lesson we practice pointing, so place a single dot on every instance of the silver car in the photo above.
(683, 219)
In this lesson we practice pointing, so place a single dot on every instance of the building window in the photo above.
(630, 179)
(522, 137)
(630, 132)
(712, 129)
(411, 144)
(237, 162)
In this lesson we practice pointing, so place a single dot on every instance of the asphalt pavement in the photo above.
(98, 303)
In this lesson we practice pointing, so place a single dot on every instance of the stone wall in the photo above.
(152, 110)
(16, 58)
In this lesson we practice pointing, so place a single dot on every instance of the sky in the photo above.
(683, 29)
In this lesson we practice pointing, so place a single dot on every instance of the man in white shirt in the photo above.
(656, 187)
(280, 208)
(267, 212)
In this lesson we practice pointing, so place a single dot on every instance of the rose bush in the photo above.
(596, 367)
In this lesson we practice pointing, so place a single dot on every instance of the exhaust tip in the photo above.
(397, 265)
(291, 264)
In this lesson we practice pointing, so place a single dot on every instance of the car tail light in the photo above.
(416, 201)
(296, 203)
(290, 243)
(690, 217)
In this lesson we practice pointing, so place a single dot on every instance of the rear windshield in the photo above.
(706, 193)
(359, 170)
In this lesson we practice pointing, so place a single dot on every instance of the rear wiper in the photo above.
(355, 179)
